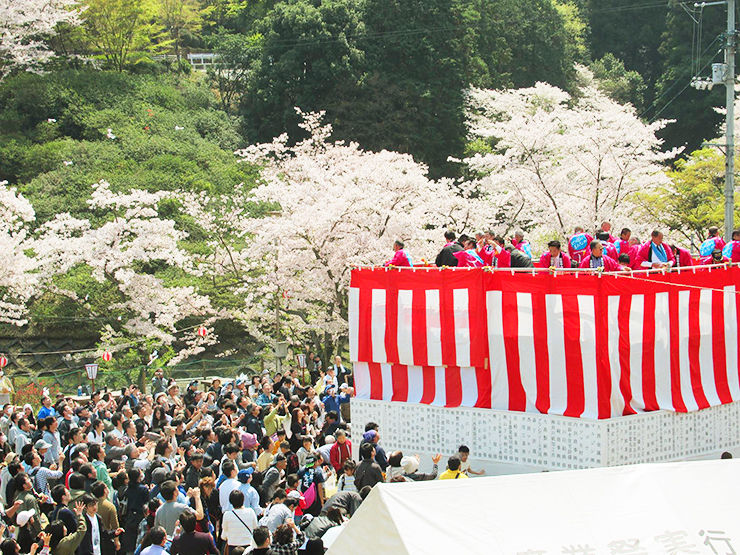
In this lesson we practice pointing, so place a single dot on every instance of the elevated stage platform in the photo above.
(553, 371)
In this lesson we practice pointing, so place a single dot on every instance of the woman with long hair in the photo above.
(159, 419)
(297, 428)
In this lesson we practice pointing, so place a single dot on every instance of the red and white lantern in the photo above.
(202, 331)
(3, 361)
(107, 355)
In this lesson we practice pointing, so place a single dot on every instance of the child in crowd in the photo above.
(346, 481)
(463, 452)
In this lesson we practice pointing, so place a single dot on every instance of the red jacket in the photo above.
(339, 453)
(684, 257)
(645, 254)
(503, 259)
(546, 259)
(610, 265)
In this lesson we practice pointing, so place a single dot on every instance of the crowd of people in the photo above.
(261, 465)
(601, 251)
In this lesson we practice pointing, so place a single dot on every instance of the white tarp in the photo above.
(662, 509)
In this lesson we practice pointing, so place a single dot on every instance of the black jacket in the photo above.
(107, 546)
(446, 256)
(520, 260)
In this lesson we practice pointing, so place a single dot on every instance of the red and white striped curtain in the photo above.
(575, 345)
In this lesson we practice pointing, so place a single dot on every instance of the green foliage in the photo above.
(693, 110)
(181, 19)
(632, 35)
(307, 57)
(625, 87)
(238, 56)
(696, 200)
(123, 31)
(149, 152)
(540, 40)
(410, 99)
(576, 47)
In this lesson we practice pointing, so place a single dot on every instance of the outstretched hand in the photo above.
(79, 506)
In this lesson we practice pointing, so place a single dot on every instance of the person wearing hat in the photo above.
(28, 517)
(189, 397)
(332, 401)
(251, 495)
(410, 465)
(372, 435)
(173, 396)
(312, 476)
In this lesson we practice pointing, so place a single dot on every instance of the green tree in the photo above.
(169, 134)
(632, 33)
(411, 94)
(182, 19)
(540, 40)
(693, 110)
(626, 87)
(576, 28)
(696, 199)
(519, 42)
(238, 56)
(308, 56)
(123, 31)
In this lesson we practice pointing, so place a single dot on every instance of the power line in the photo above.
(679, 79)
(682, 90)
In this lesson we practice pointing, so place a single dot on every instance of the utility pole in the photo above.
(730, 152)
(724, 74)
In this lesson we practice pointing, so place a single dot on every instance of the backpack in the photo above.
(123, 504)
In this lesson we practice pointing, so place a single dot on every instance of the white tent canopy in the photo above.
(686, 507)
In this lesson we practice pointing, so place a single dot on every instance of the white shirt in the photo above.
(224, 491)
(92, 437)
(330, 380)
(95, 532)
(233, 531)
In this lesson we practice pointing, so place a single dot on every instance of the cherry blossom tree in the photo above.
(137, 253)
(559, 161)
(332, 207)
(23, 26)
(17, 278)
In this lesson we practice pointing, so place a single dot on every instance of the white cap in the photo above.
(23, 517)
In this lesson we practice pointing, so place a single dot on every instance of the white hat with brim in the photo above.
(23, 517)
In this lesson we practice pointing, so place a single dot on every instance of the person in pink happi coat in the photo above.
(596, 260)
(401, 258)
